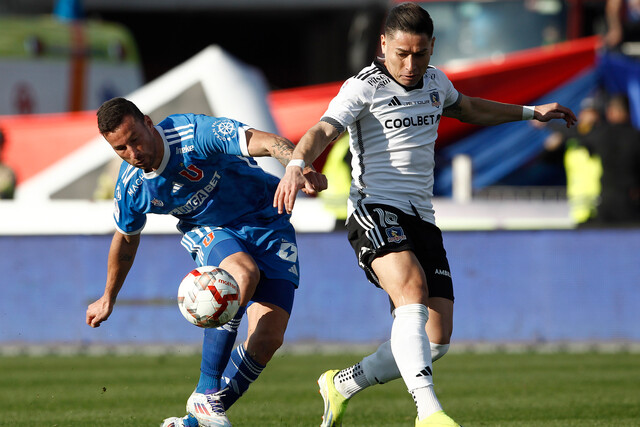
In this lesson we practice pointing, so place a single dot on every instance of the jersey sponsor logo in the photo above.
(198, 198)
(186, 149)
(224, 129)
(192, 173)
(395, 102)
(395, 234)
(135, 185)
(426, 120)
(288, 251)
(443, 272)
(378, 81)
(118, 195)
(434, 97)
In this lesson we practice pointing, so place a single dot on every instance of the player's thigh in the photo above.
(440, 324)
(401, 276)
(267, 324)
(245, 271)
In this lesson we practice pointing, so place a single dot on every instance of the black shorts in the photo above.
(376, 229)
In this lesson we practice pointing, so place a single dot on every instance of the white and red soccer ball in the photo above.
(208, 297)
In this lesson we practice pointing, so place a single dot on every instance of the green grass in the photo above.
(563, 389)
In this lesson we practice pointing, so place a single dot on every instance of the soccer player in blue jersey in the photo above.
(200, 170)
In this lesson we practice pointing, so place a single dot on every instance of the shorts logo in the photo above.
(442, 272)
(395, 234)
(288, 252)
(293, 270)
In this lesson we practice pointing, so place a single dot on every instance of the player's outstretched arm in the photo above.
(314, 141)
(261, 143)
(485, 112)
(121, 255)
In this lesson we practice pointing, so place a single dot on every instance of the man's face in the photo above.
(137, 143)
(406, 56)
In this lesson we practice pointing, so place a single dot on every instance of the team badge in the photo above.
(395, 234)
(224, 129)
(158, 203)
(434, 97)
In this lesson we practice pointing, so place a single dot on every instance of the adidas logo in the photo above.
(426, 372)
(394, 102)
(293, 270)
(201, 408)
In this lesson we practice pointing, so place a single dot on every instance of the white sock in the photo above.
(378, 368)
(351, 380)
(411, 350)
(438, 350)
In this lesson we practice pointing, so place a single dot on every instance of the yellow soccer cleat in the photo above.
(335, 404)
(437, 419)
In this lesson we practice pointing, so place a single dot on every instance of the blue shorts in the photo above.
(272, 247)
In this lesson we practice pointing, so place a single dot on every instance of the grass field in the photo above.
(501, 389)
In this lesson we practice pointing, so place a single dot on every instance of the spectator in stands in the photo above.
(617, 143)
(623, 22)
(583, 171)
(7, 175)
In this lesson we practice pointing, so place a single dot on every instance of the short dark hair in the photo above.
(111, 114)
(409, 18)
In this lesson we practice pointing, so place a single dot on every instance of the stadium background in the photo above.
(534, 281)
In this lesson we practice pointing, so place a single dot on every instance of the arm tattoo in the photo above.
(282, 149)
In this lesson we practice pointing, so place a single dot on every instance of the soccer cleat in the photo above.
(437, 419)
(208, 410)
(335, 404)
(179, 422)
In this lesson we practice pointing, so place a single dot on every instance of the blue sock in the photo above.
(241, 371)
(190, 421)
(216, 349)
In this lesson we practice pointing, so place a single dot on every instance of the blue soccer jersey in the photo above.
(206, 178)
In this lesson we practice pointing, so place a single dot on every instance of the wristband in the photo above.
(528, 112)
(296, 162)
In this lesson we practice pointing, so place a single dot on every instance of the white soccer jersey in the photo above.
(392, 132)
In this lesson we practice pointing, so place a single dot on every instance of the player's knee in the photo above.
(247, 276)
(263, 347)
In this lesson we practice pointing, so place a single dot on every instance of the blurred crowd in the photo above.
(7, 175)
(601, 157)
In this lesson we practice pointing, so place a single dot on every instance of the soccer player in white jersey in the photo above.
(200, 169)
(392, 109)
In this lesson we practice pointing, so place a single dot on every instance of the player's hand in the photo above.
(99, 311)
(317, 180)
(547, 112)
(287, 191)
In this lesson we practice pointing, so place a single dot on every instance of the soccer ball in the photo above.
(208, 297)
